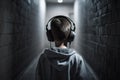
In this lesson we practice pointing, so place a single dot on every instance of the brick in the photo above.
(103, 19)
(98, 6)
(5, 51)
(103, 40)
(6, 27)
(5, 39)
(118, 28)
(113, 41)
(104, 10)
(6, 68)
(109, 7)
(108, 18)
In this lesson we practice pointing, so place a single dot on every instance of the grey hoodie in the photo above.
(62, 64)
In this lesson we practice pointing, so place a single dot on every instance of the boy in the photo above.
(61, 62)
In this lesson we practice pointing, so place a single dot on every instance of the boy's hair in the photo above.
(60, 28)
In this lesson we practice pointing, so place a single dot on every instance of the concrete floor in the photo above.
(29, 73)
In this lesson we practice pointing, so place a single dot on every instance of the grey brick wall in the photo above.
(99, 27)
(19, 36)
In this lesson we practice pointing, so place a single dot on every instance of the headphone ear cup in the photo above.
(71, 36)
(49, 35)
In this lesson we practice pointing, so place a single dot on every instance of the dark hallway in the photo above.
(23, 38)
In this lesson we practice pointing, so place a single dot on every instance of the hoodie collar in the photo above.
(59, 53)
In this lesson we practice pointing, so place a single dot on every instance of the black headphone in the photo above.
(72, 29)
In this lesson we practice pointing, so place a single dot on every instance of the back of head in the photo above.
(60, 28)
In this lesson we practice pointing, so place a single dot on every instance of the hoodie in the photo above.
(61, 64)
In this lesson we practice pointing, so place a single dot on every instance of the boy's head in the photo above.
(60, 28)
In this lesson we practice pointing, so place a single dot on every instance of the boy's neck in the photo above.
(61, 45)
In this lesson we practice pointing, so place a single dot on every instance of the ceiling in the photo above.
(64, 1)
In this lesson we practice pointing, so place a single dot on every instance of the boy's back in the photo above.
(61, 64)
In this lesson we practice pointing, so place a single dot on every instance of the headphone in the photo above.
(72, 29)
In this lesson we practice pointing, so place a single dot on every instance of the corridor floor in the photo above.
(29, 73)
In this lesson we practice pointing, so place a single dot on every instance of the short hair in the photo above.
(60, 28)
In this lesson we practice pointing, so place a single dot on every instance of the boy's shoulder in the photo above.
(77, 57)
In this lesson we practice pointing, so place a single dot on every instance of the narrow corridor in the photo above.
(23, 35)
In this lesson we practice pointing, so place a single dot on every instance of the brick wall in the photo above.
(99, 29)
(19, 36)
